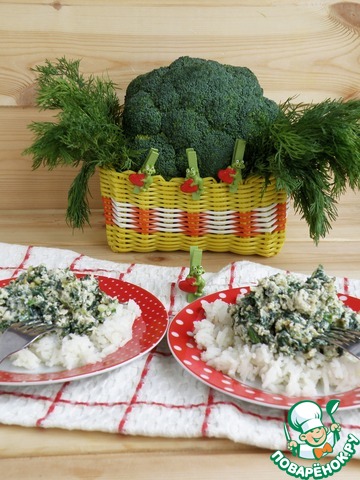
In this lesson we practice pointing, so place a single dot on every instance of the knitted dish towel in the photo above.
(152, 395)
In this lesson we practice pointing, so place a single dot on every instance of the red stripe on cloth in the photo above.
(172, 298)
(91, 271)
(130, 268)
(19, 394)
(8, 268)
(63, 401)
(163, 354)
(52, 407)
(205, 425)
(249, 412)
(133, 401)
(350, 426)
(21, 266)
(282, 417)
(72, 265)
(232, 275)
(173, 291)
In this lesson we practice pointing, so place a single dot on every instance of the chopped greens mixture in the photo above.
(290, 315)
(56, 297)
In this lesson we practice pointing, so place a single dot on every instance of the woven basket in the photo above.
(247, 222)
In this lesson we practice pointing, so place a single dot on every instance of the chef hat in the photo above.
(304, 416)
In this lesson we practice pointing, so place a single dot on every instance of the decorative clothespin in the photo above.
(232, 175)
(194, 283)
(143, 178)
(193, 182)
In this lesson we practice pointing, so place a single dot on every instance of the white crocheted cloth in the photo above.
(153, 395)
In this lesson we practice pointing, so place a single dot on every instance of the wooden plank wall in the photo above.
(305, 48)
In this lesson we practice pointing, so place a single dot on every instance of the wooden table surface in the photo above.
(310, 49)
(38, 453)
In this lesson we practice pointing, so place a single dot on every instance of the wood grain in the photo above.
(309, 49)
(339, 252)
(305, 48)
(157, 466)
(20, 186)
(96, 455)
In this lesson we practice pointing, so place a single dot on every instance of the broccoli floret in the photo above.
(194, 103)
(167, 158)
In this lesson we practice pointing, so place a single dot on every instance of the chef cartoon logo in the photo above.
(312, 440)
(315, 439)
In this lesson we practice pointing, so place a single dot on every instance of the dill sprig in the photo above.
(87, 130)
(313, 151)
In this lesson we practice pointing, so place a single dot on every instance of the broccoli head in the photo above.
(194, 103)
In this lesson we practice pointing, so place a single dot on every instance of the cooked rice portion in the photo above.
(75, 350)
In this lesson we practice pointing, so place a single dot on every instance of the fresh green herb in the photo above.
(254, 337)
(88, 130)
(313, 151)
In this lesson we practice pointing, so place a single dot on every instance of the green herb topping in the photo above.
(290, 315)
(56, 297)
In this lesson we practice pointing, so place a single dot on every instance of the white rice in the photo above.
(256, 364)
(75, 350)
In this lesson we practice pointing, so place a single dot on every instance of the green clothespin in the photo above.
(143, 178)
(237, 164)
(193, 182)
(196, 270)
(194, 283)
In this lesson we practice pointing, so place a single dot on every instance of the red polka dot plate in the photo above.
(187, 353)
(148, 330)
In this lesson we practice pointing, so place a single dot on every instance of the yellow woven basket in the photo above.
(164, 218)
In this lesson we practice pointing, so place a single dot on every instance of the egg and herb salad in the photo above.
(275, 336)
(89, 324)
(290, 315)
